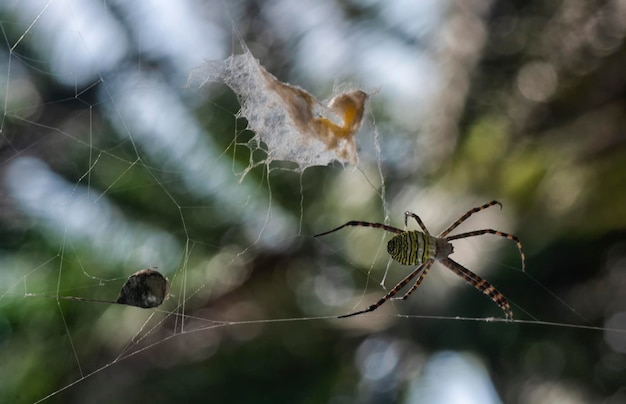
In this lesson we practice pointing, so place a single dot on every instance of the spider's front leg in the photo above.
(467, 215)
(481, 285)
(495, 233)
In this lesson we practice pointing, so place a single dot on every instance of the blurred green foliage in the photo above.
(551, 147)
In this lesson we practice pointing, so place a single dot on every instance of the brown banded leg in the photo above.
(466, 216)
(496, 233)
(357, 223)
(391, 293)
(408, 214)
(419, 280)
(480, 284)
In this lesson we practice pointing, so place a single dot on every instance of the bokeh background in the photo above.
(110, 164)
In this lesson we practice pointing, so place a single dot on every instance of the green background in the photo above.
(528, 109)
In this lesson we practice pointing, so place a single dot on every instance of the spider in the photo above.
(412, 247)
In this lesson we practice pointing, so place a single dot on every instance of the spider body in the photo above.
(413, 247)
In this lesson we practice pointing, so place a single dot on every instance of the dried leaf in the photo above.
(146, 289)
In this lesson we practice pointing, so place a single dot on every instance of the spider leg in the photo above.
(363, 224)
(391, 293)
(417, 219)
(480, 284)
(466, 216)
(497, 233)
(419, 280)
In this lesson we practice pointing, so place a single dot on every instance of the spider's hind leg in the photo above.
(358, 223)
(391, 293)
(417, 283)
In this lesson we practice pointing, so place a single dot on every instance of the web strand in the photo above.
(110, 165)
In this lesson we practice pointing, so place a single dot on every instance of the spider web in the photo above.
(294, 125)
(113, 163)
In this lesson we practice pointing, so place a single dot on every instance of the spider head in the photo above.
(444, 248)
